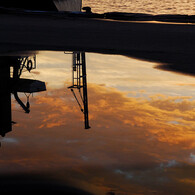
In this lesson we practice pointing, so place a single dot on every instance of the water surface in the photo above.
(141, 139)
(143, 6)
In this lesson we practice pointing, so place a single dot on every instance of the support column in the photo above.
(85, 97)
(5, 97)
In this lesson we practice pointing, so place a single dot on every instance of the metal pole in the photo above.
(5, 97)
(85, 98)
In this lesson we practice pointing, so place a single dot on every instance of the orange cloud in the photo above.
(128, 134)
(186, 84)
(168, 119)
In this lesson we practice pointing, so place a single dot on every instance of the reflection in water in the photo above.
(5, 98)
(79, 81)
(135, 144)
(14, 85)
(142, 140)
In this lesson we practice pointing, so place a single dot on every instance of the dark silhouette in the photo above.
(14, 85)
(43, 5)
(176, 61)
(79, 82)
(87, 10)
(5, 98)
(35, 183)
(110, 193)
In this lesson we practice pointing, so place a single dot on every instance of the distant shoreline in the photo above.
(170, 18)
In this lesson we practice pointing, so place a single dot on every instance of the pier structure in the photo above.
(11, 68)
(79, 83)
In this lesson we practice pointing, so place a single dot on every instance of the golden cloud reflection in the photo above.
(130, 138)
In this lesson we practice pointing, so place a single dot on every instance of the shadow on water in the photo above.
(182, 63)
(24, 183)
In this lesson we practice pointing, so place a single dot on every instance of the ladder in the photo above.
(79, 82)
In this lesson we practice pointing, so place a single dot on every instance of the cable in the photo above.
(77, 100)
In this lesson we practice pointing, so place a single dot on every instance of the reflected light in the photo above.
(131, 138)
(141, 140)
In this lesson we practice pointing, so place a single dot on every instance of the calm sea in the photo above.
(143, 6)
(142, 118)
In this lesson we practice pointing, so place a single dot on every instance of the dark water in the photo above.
(141, 139)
